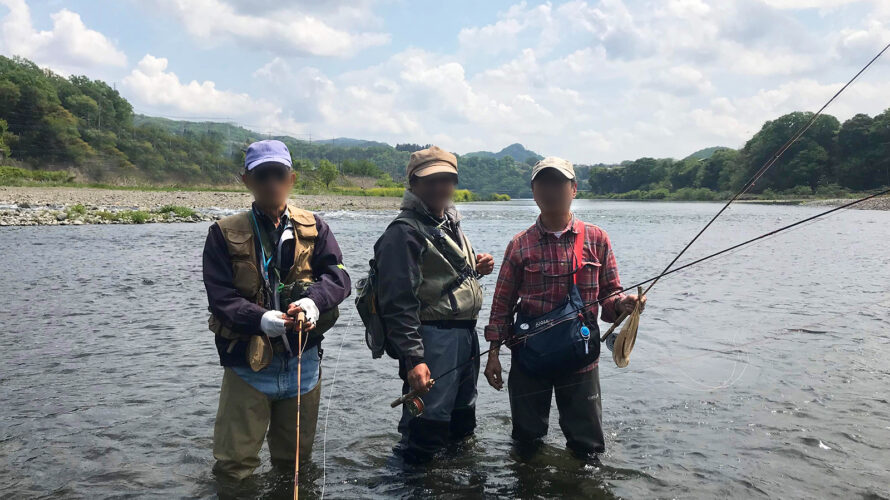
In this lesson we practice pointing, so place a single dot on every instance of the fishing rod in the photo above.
(756, 177)
(413, 394)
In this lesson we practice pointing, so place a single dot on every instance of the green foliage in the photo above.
(15, 176)
(855, 155)
(486, 175)
(462, 195)
(385, 181)
(389, 192)
(75, 210)
(364, 168)
(498, 197)
(177, 210)
(55, 122)
(135, 216)
(328, 172)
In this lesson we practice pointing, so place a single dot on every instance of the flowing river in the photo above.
(762, 373)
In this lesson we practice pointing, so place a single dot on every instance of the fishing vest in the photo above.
(238, 232)
(446, 292)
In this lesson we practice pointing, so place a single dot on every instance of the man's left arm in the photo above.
(332, 283)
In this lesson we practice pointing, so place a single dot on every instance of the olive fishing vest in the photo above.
(238, 232)
(445, 293)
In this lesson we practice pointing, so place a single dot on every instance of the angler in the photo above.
(560, 267)
(262, 268)
(424, 297)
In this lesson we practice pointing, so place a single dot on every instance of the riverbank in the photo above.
(29, 206)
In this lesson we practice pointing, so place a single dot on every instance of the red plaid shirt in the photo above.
(532, 259)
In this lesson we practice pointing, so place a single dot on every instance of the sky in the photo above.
(590, 81)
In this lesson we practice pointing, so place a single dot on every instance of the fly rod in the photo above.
(300, 322)
(754, 178)
(414, 393)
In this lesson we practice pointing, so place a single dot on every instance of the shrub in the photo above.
(178, 211)
(16, 176)
(498, 197)
(463, 195)
(137, 216)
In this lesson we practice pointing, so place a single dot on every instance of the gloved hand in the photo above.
(308, 307)
(272, 324)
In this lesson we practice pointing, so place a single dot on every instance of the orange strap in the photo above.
(580, 236)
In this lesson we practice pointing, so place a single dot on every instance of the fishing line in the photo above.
(769, 163)
(327, 412)
(572, 314)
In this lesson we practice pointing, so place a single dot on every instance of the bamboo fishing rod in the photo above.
(568, 316)
(300, 323)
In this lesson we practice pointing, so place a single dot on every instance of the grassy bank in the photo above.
(21, 177)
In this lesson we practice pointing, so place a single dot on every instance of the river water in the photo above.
(762, 373)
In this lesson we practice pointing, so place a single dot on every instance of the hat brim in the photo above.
(435, 167)
(268, 159)
(563, 172)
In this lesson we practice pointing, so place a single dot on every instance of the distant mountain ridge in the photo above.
(516, 151)
(704, 154)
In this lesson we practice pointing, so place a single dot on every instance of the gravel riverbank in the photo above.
(28, 206)
(881, 203)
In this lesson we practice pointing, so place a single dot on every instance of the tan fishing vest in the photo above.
(439, 299)
(238, 232)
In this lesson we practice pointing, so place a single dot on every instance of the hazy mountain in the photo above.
(516, 151)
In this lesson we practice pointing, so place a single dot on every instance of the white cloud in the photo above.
(67, 48)
(282, 27)
(597, 80)
(154, 89)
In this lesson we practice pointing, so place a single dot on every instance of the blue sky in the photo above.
(592, 81)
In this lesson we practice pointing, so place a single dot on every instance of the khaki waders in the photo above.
(243, 419)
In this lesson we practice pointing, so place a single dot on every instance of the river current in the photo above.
(762, 373)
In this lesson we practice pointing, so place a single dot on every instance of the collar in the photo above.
(265, 219)
(411, 201)
(543, 233)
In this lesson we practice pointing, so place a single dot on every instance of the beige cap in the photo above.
(564, 166)
(432, 160)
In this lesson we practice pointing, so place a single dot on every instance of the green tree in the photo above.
(328, 172)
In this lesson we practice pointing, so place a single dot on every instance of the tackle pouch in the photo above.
(558, 342)
(259, 352)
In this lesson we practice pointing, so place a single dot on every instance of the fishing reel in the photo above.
(412, 402)
(414, 407)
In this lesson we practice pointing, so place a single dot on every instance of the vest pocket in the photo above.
(240, 244)
(246, 278)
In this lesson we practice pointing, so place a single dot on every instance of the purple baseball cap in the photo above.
(270, 151)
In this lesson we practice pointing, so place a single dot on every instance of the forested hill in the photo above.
(830, 159)
(50, 122)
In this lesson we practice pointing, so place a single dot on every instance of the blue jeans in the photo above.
(279, 379)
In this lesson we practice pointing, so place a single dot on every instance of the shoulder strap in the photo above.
(580, 236)
(457, 262)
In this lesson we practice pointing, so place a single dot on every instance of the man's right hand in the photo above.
(493, 372)
(419, 378)
(275, 324)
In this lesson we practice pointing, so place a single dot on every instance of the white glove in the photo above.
(272, 324)
(309, 309)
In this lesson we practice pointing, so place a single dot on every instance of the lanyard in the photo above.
(265, 261)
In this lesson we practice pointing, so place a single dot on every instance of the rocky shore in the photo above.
(881, 203)
(29, 206)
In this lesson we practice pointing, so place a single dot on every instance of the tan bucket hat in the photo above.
(564, 166)
(432, 160)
